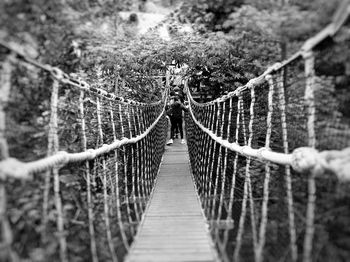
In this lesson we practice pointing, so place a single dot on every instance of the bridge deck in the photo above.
(173, 227)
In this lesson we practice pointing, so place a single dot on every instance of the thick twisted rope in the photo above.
(53, 148)
(234, 173)
(5, 86)
(264, 209)
(240, 119)
(288, 179)
(117, 189)
(104, 182)
(12, 167)
(302, 159)
(92, 234)
(310, 103)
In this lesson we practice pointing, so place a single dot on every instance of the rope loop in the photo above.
(57, 73)
(268, 77)
(84, 85)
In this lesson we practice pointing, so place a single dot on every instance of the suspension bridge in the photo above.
(243, 188)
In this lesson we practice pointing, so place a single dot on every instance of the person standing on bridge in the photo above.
(175, 114)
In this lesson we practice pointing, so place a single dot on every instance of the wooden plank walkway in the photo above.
(173, 227)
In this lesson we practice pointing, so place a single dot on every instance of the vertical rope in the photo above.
(53, 149)
(137, 164)
(125, 174)
(235, 161)
(111, 113)
(5, 87)
(142, 117)
(247, 173)
(310, 103)
(223, 181)
(203, 169)
(139, 156)
(195, 164)
(217, 130)
(88, 182)
(221, 168)
(105, 194)
(142, 161)
(143, 157)
(117, 193)
(204, 152)
(264, 208)
(245, 188)
(210, 164)
(288, 179)
(200, 161)
(222, 244)
(206, 194)
(133, 175)
(243, 119)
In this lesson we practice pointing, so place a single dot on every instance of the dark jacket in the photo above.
(175, 109)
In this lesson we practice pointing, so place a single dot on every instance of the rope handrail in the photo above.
(72, 81)
(11, 167)
(259, 142)
(301, 159)
(128, 141)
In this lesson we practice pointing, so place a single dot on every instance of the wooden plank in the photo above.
(173, 227)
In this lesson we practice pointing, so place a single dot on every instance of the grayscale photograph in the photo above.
(175, 131)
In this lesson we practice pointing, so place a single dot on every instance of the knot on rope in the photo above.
(244, 148)
(92, 153)
(260, 152)
(252, 83)
(306, 159)
(63, 158)
(268, 77)
(307, 53)
(276, 66)
(106, 148)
